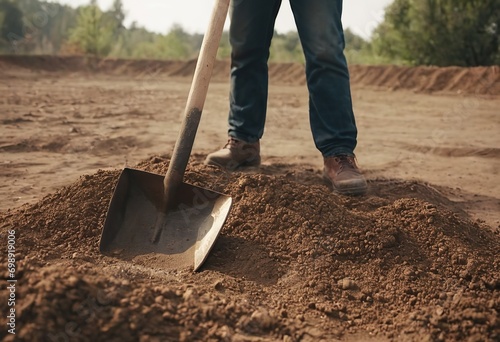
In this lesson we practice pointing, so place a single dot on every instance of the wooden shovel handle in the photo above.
(196, 99)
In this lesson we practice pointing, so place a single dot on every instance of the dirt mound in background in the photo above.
(294, 262)
(479, 80)
(140, 68)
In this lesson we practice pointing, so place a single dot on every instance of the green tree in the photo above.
(117, 13)
(441, 32)
(357, 50)
(93, 33)
(175, 45)
(11, 25)
(45, 25)
(224, 51)
(286, 48)
(353, 41)
(115, 18)
(132, 42)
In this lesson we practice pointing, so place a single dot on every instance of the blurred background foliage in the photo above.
(413, 32)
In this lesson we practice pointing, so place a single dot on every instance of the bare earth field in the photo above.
(415, 259)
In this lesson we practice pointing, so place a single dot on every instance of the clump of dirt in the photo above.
(294, 262)
(477, 80)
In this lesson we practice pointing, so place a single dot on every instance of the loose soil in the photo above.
(415, 259)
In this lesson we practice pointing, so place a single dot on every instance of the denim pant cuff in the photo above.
(242, 137)
(339, 151)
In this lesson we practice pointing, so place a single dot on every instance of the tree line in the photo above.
(424, 32)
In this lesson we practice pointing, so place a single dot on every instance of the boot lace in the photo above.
(232, 142)
(345, 162)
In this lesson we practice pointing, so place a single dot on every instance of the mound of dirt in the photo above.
(479, 80)
(294, 262)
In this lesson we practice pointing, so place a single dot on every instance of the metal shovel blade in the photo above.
(190, 227)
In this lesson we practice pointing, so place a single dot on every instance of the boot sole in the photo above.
(253, 163)
(354, 190)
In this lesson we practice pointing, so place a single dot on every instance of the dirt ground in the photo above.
(415, 259)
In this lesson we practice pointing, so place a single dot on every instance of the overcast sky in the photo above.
(361, 16)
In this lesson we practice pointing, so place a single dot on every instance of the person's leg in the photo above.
(330, 105)
(331, 115)
(250, 33)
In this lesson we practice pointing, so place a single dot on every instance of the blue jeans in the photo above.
(322, 37)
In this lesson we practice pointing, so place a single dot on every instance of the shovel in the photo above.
(162, 221)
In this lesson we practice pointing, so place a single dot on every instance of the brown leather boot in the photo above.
(342, 172)
(234, 154)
